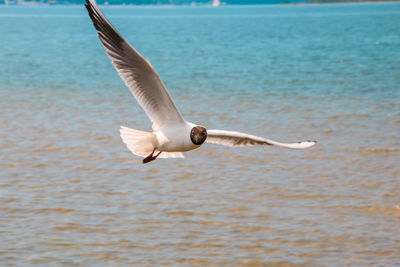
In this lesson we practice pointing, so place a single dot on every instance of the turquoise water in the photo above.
(71, 193)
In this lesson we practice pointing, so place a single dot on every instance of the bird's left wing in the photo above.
(231, 138)
(137, 72)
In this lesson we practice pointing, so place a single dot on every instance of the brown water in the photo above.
(72, 194)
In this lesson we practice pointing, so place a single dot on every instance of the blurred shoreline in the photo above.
(194, 4)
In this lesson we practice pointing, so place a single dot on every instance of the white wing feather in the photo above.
(231, 138)
(137, 72)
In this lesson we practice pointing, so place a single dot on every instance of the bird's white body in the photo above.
(175, 138)
(171, 134)
(170, 140)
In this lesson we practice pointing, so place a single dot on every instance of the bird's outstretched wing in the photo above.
(137, 72)
(231, 138)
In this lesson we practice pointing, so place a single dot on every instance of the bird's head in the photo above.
(198, 135)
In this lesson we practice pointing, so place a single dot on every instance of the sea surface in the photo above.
(71, 194)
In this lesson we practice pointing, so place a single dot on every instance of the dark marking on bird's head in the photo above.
(198, 135)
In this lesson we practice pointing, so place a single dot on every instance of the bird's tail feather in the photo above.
(138, 142)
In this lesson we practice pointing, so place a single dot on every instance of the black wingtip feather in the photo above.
(103, 26)
(92, 13)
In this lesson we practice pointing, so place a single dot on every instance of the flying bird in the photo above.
(171, 134)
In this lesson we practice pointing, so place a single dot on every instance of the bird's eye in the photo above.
(204, 132)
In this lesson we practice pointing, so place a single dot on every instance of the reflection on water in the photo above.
(72, 194)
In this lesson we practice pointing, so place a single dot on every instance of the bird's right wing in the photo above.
(231, 138)
(137, 72)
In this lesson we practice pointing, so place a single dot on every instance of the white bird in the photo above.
(171, 134)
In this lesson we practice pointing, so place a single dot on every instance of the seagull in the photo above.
(171, 134)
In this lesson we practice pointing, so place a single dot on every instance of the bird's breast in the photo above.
(175, 139)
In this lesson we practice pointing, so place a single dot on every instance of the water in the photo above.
(72, 194)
